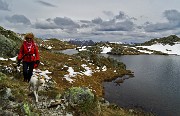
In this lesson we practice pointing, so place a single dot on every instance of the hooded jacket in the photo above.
(28, 52)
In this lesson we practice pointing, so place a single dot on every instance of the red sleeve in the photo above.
(37, 53)
(21, 53)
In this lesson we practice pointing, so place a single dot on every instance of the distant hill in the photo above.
(165, 40)
(9, 43)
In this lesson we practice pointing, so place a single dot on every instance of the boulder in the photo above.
(9, 48)
(5, 93)
(80, 98)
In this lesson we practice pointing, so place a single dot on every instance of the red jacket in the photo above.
(28, 52)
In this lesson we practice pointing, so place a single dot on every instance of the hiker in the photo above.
(29, 55)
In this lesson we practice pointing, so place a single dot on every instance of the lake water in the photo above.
(68, 51)
(155, 87)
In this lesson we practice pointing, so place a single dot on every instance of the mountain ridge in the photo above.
(171, 39)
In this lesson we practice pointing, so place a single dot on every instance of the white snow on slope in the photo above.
(49, 47)
(144, 51)
(175, 49)
(72, 73)
(83, 48)
(106, 49)
(14, 58)
(3, 59)
(88, 71)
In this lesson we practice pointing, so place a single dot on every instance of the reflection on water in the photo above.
(155, 87)
(120, 80)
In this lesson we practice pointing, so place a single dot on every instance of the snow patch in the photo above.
(106, 49)
(14, 58)
(175, 49)
(49, 47)
(71, 72)
(3, 59)
(82, 48)
(88, 71)
(104, 68)
(144, 51)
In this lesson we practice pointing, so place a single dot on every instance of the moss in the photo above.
(82, 99)
(2, 76)
(26, 109)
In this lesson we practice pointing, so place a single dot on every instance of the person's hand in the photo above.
(37, 62)
(18, 63)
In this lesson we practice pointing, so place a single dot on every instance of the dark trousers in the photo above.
(27, 70)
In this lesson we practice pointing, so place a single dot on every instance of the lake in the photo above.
(155, 87)
(68, 51)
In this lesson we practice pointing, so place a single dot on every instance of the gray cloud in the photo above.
(120, 25)
(86, 24)
(107, 24)
(172, 15)
(120, 22)
(46, 4)
(121, 16)
(4, 6)
(18, 19)
(159, 27)
(85, 21)
(173, 22)
(111, 25)
(45, 25)
(57, 23)
(177, 33)
(65, 23)
(97, 21)
(108, 13)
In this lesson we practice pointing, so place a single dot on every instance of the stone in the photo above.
(5, 93)
(80, 98)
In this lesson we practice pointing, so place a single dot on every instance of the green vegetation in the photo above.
(118, 49)
(100, 60)
(56, 44)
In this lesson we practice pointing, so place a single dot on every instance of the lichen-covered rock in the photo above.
(8, 47)
(79, 97)
(5, 93)
(9, 43)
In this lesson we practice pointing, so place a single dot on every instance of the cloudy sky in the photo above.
(98, 20)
